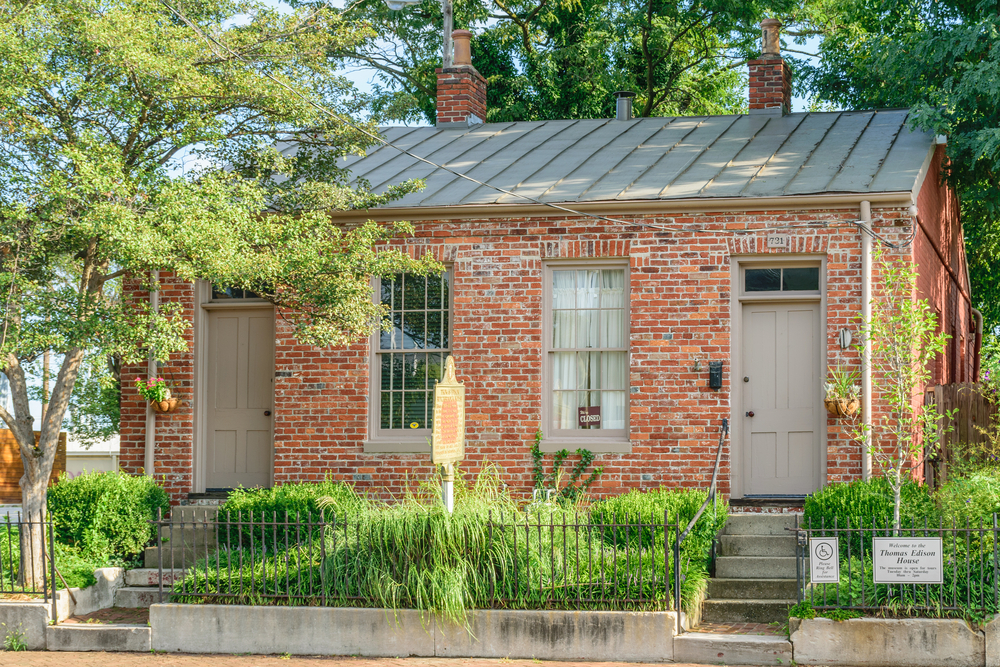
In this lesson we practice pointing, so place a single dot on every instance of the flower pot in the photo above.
(842, 407)
(163, 407)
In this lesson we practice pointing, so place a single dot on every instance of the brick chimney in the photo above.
(770, 77)
(461, 90)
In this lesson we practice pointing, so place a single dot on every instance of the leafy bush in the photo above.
(970, 500)
(674, 505)
(74, 568)
(299, 500)
(866, 504)
(106, 516)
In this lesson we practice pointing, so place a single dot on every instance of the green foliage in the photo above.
(288, 502)
(903, 339)
(14, 639)
(940, 59)
(970, 500)
(576, 486)
(106, 515)
(77, 570)
(564, 59)
(413, 554)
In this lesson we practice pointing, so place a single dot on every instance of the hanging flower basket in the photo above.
(164, 407)
(842, 407)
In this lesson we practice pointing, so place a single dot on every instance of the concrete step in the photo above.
(752, 589)
(150, 576)
(756, 545)
(188, 533)
(183, 557)
(79, 637)
(714, 649)
(757, 567)
(136, 597)
(191, 513)
(745, 611)
(760, 524)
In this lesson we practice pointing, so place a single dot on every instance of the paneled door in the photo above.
(240, 398)
(782, 404)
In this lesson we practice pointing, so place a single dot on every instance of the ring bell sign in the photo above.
(910, 560)
(448, 433)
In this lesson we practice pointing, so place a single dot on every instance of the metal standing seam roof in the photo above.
(566, 161)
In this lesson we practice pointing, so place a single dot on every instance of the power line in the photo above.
(382, 140)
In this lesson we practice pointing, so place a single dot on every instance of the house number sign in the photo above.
(909, 560)
(448, 433)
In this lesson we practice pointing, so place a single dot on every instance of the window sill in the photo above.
(597, 446)
(397, 446)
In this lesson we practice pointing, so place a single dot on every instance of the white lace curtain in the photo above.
(589, 314)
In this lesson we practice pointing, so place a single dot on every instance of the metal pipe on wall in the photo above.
(150, 459)
(866, 344)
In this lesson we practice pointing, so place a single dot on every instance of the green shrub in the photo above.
(74, 568)
(972, 499)
(106, 516)
(299, 500)
(867, 504)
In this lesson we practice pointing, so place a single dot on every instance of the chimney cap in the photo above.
(771, 38)
(463, 49)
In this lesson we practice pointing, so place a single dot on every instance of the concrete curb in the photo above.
(711, 649)
(98, 638)
(884, 642)
(629, 636)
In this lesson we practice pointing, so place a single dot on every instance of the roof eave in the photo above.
(611, 208)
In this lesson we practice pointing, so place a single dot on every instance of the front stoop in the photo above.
(716, 649)
(755, 572)
(79, 637)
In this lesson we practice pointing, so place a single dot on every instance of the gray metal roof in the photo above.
(563, 161)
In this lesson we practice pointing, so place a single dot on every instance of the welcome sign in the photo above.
(908, 560)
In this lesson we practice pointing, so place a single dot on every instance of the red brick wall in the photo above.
(680, 312)
(939, 251)
(173, 460)
(461, 93)
(770, 84)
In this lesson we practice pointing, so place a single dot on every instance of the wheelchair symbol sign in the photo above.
(824, 561)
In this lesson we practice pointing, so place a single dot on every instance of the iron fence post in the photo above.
(52, 560)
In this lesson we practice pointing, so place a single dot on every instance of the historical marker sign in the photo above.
(448, 433)
(908, 560)
(824, 560)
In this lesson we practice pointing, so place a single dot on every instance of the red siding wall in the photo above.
(680, 313)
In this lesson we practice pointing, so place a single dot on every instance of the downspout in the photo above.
(154, 305)
(979, 344)
(866, 344)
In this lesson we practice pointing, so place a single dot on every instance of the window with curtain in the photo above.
(587, 349)
(409, 358)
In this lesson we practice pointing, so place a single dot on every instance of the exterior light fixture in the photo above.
(844, 338)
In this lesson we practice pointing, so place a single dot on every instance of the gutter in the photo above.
(866, 343)
(150, 459)
(721, 205)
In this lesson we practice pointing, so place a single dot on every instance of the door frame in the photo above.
(736, 300)
(204, 304)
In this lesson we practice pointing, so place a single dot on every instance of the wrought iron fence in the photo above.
(27, 566)
(968, 570)
(546, 558)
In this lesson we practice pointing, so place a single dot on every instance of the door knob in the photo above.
(750, 414)
(267, 413)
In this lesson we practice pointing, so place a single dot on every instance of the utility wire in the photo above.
(382, 140)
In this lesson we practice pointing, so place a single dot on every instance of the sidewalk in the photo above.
(55, 659)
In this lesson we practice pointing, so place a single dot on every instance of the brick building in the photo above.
(683, 245)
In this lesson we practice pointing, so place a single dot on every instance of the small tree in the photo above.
(904, 340)
(103, 106)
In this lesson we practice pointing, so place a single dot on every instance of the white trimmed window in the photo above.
(586, 348)
(408, 360)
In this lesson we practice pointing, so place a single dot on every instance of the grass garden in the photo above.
(492, 552)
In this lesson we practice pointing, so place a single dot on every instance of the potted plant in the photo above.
(843, 395)
(157, 392)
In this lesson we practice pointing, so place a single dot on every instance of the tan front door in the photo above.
(240, 398)
(781, 441)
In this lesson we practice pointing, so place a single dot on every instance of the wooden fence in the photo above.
(11, 467)
(969, 433)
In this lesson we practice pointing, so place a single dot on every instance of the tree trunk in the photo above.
(34, 568)
(896, 499)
